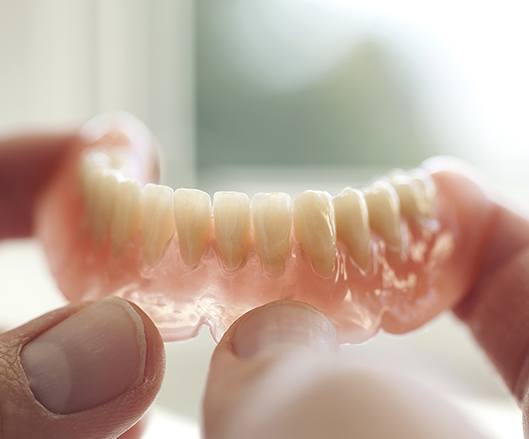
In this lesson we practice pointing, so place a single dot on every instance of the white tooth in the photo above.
(104, 190)
(157, 220)
(384, 212)
(127, 213)
(425, 190)
(314, 228)
(352, 224)
(94, 165)
(90, 174)
(407, 193)
(231, 211)
(416, 193)
(272, 223)
(193, 223)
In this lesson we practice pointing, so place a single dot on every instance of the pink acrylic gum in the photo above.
(397, 291)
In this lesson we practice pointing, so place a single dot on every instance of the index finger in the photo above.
(496, 305)
(26, 164)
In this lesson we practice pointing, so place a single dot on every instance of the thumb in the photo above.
(83, 371)
(264, 360)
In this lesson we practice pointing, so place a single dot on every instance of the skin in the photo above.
(244, 390)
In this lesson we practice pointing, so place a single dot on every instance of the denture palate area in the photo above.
(173, 250)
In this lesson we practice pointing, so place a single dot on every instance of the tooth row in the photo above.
(119, 207)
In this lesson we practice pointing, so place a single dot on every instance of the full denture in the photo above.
(363, 256)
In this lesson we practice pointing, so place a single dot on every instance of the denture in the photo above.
(390, 255)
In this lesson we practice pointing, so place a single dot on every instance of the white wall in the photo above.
(62, 61)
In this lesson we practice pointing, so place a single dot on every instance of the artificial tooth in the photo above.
(352, 224)
(193, 223)
(272, 223)
(157, 220)
(104, 190)
(384, 212)
(315, 229)
(416, 193)
(127, 212)
(408, 195)
(425, 189)
(231, 212)
(89, 177)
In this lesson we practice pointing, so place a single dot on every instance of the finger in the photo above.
(82, 371)
(26, 164)
(276, 374)
(256, 345)
(496, 306)
(137, 430)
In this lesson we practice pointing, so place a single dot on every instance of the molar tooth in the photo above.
(231, 211)
(272, 223)
(416, 193)
(314, 228)
(352, 224)
(127, 213)
(104, 190)
(425, 189)
(90, 174)
(408, 195)
(384, 212)
(157, 220)
(193, 223)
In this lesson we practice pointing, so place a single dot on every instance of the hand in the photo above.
(83, 371)
(274, 374)
(281, 378)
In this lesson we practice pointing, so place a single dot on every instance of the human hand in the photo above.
(274, 374)
(282, 377)
(83, 371)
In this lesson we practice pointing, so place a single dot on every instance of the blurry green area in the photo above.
(360, 111)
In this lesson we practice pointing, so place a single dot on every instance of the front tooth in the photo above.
(231, 211)
(157, 220)
(127, 212)
(104, 191)
(193, 222)
(272, 223)
(352, 224)
(315, 229)
(384, 212)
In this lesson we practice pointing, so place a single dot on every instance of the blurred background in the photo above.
(282, 94)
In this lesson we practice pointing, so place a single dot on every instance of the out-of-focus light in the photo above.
(466, 62)
(285, 45)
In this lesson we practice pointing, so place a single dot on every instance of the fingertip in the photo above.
(76, 365)
(282, 325)
(155, 352)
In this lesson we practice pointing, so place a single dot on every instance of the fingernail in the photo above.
(88, 359)
(283, 325)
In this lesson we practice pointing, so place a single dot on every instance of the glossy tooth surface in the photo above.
(231, 212)
(193, 223)
(104, 191)
(90, 175)
(272, 223)
(384, 212)
(127, 213)
(314, 228)
(157, 220)
(352, 224)
(425, 190)
(416, 193)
